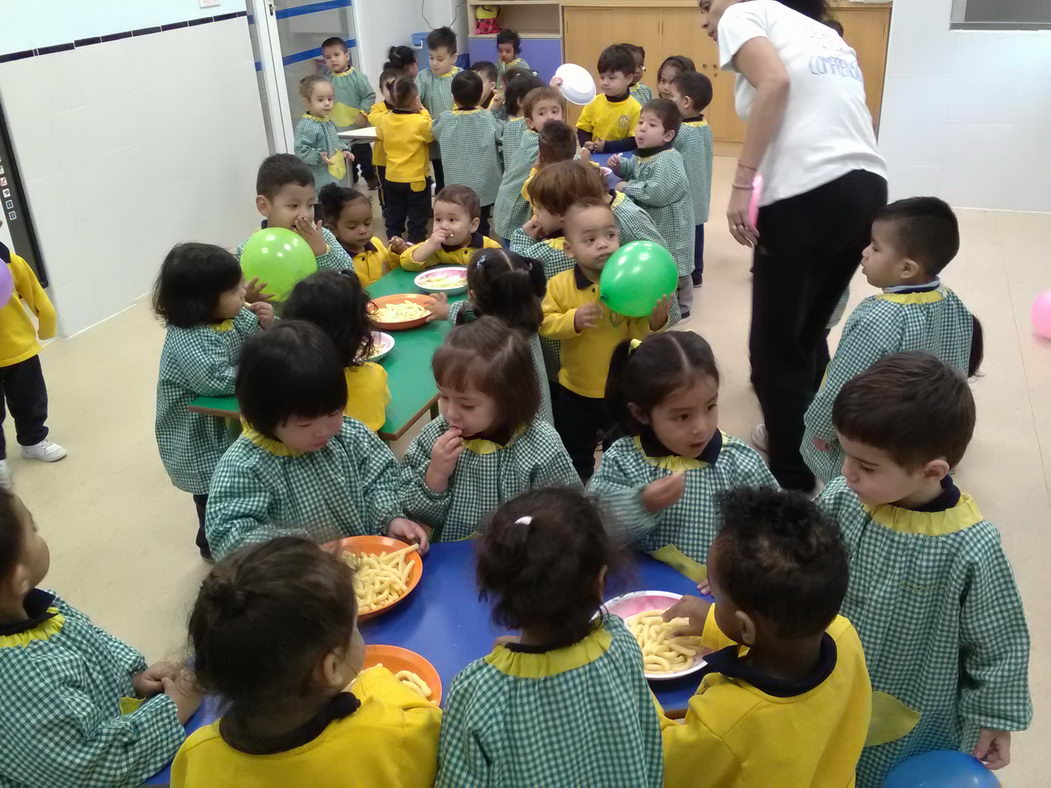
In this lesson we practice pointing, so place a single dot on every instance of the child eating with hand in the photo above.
(347, 213)
(457, 215)
(317, 140)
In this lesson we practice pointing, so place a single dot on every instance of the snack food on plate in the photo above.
(380, 578)
(662, 653)
(400, 313)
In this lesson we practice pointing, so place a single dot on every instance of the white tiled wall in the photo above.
(130, 146)
(966, 114)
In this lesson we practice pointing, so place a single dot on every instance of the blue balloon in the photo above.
(941, 769)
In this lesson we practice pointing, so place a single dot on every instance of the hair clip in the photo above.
(527, 520)
(350, 273)
(634, 345)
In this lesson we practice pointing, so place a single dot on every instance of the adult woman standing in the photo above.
(810, 135)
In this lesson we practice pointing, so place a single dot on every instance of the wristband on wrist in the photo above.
(744, 188)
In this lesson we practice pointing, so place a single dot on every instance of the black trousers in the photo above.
(363, 159)
(22, 386)
(809, 247)
(201, 502)
(581, 422)
(439, 175)
(403, 205)
(484, 225)
(381, 176)
(698, 254)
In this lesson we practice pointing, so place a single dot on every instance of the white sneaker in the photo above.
(45, 451)
(5, 476)
(759, 438)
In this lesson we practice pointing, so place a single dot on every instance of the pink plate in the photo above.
(641, 601)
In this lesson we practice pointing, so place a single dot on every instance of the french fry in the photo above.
(662, 653)
(380, 578)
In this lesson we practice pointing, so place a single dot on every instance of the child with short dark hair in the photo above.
(785, 698)
(337, 304)
(489, 444)
(557, 143)
(402, 59)
(81, 707)
(587, 330)
(274, 632)
(317, 141)
(457, 216)
(606, 123)
(692, 93)
(913, 240)
(669, 70)
(469, 136)
(379, 156)
(486, 71)
(508, 47)
(655, 177)
(299, 467)
(435, 87)
(641, 93)
(518, 84)
(565, 701)
(286, 198)
(661, 480)
(931, 591)
(354, 98)
(348, 214)
(200, 296)
(405, 132)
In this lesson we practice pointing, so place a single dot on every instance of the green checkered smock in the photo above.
(692, 523)
(63, 722)
(315, 136)
(934, 320)
(511, 133)
(197, 362)
(354, 96)
(694, 142)
(436, 95)
(335, 259)
(487, 475)
(501, 68)
(262, 489)
(641, 93)
(575, 716)
(551, 252)
(934, 600)
(659, 185)
(511, 210)
(469, 155)
(634, 223)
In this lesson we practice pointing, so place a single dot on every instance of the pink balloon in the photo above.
(1040, 314)
(757, 192)
(7, 284)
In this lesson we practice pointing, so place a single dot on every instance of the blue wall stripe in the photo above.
(310, 54)
(313, 8)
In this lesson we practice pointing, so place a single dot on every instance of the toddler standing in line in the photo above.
(692, 93)
(669, 70)
(200, 296)
(435, 88)
(508, 46)
(353, 100)
(348, 214)
(317, 141)
(457, 216)
(510, 115)
(563, 702)
(405, 132)
(605, 124)
(488, 445)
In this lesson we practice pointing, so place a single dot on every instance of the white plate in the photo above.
(578, 86)
(641, 601)
(425, 283)
(382, 344)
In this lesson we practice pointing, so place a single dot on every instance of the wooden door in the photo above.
(867, 29)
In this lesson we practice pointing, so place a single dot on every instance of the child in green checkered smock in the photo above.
(488, 445)
(511, 211)
(435, 87)
(914, 311)
(931, 592)
(317, 141)
(80, 707)
(660, 483)
(335, 258)
(300, 468)
(692, 93)
(633, 223)
(200, 296)
(564, 702)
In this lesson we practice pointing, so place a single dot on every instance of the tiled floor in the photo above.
(122, 537)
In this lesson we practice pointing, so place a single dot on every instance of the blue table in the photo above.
(444, 620)
(602, 160)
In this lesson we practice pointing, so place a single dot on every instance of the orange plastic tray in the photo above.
(381, 544)
(395, 658)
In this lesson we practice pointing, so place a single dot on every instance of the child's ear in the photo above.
(262, 204)
(567, 247)
(475, 222)
(748, 629)
(936, 470)
(329, 670)
(910, 269)
(669, 135)
(638, 413)
(17, 583)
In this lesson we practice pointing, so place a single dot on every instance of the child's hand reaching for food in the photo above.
(440, 307)
(409, 531)
(691, 607)
(614, 163)
(398, 245)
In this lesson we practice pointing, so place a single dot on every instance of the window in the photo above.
(1001, 15)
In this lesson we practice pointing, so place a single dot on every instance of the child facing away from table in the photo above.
(511, 211)
(508, 49)
(317, 140)
(606, 124)
(200, 296)
(405, 132)
(286, 198)
(913, 240)
(660, 481)
(21, 376)
(640, 92)
(455, 236)
(489, 444)
(669, 70)
(403, 59)
(692, 93)
(655, 177)
(300, 467)
(337, 304)
(517, 86)
(931, 591)
(469, 137)
(486, 71)
(435, 87)
(353, 101)
(564, 701)
(785, 698)
(347, 213)
(379, 155)
(81, 707)
(587, 331)
(274, 633)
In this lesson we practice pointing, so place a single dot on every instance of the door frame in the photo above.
(271, 66)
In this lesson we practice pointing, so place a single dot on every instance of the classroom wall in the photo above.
(966, 113)
(382, 24)
(129, 146)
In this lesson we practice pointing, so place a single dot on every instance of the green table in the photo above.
(412, 387)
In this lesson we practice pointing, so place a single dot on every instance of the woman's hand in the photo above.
(743, 231)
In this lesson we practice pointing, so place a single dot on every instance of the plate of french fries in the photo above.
(450, 280)
(410, 668)
(664, 655)
(385, 571)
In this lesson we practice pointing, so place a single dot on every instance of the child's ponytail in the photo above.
(616, 400)
(507, 286)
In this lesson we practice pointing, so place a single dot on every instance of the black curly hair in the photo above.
(335, 302)
(507, 286)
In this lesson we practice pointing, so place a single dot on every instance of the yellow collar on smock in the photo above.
(525, 665)
(277, 448)
(963, 515)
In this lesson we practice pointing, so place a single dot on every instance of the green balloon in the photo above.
(278, 257)
(636, 277)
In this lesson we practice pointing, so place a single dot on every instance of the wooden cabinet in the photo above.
(867, 29)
